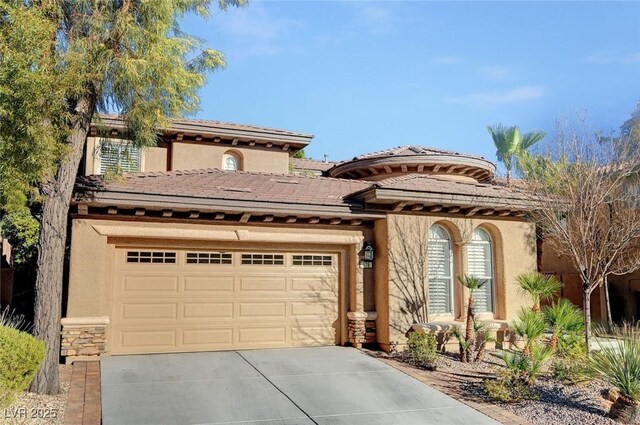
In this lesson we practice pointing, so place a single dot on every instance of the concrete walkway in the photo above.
(298, 386)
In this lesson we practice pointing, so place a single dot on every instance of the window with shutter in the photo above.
(480, 263)
(440, 271)
(118, 157)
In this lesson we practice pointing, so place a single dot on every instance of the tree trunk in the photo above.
(470, 333)
(608, 305)
(586, 308)
(52, 241)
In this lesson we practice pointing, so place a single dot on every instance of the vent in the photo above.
(151, 257)
(312, 260)
(234, 189)
(209, 258)
(286, 181)
(263, 259)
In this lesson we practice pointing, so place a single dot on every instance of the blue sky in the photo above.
(364, 76)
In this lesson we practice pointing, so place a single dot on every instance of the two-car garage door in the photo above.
(194, 300)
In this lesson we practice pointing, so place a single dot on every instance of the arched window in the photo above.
(480, 261)
(440, 255)
(230, 161)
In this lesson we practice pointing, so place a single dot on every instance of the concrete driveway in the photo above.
(297, 386)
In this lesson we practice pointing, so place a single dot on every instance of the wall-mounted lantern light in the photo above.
(367, 256)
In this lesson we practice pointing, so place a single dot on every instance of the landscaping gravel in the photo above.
(36, 409)
(582, 404)
(559, 404)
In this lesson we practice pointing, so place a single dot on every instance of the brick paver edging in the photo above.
(439, 381)
(83, 402)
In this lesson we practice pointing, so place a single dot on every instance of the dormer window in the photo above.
(231, 161)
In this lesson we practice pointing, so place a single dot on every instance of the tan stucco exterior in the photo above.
(189, 156)
(95, 245)
(193, 155)
(513, 253)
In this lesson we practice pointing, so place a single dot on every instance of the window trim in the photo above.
(452, 299)
(492, 279)
(236, 156)
(225, 258)
(281, 259)
(321, 258)
(136, 257)
(97, 159)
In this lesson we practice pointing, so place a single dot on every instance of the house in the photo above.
(217, 240)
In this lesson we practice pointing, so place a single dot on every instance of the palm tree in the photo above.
(539, 287)
(563, 317)
(511, 144)
(530, 325)
(472, 283)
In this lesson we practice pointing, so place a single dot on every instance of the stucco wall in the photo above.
(513, 250)
(188, 156)
(152, 159)
(93, 255)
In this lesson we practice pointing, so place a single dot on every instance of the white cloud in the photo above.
(601, 58)
(447, 60)
(496, 98)
(496, 72)
(253, 31)
(377, 18)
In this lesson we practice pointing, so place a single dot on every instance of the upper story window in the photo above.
(480, 261)
(231, 162)
(119, 157)
(440, 254)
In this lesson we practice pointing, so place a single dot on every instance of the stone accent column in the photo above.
(357, 328)
(370, 327)
(83, 337)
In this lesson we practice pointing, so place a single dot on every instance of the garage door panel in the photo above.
(145, 285)
(187, 306)
(273, 335)
(314, 310)
(257, 310)
(148, 311)
(204, 310)
(148, 338)
(313, 335)
(205, 338)
(314, 284)
(249, 284)
(215, 284)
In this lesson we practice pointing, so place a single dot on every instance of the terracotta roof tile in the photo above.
(232, 185)
(411, 150)
(311, 164)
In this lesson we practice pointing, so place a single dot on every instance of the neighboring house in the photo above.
(215, 244)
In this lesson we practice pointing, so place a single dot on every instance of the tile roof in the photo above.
(434, 184)
(311, 164)
(412, 150)
(231, 185)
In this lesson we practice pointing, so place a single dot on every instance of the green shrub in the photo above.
(423, 347)
(20, 358)
(508, 390)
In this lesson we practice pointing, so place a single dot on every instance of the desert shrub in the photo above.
(515, 382)
(423, 347)
(508, 390)
(20, 358)
(617, 362)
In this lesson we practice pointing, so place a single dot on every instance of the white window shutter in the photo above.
(119, 156)
(480, 265)
(439, 256)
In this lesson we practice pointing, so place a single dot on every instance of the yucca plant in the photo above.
(563, 317)
(472, 283)
(539, 287)
(618, 362)
(530, 325)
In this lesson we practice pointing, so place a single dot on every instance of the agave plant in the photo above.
(472, 283)
(539, 287)
(563, 318)
(530, 325)
(618, 362)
